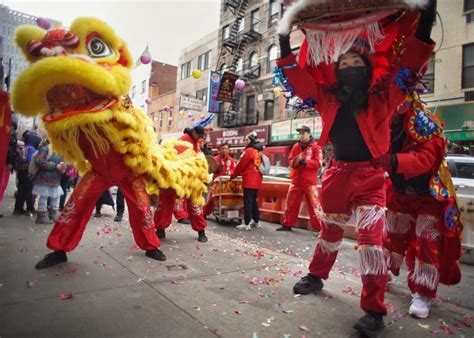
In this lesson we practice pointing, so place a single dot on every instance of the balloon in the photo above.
(240, 84)
(202, 117)
(193, 119)
(166, 108)
(148, 100)
(196, 73)
(277, 91)
(43, 23)
(190, 115)
(182, 112)
(145, 59)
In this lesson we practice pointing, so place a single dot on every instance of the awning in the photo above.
(458, 121)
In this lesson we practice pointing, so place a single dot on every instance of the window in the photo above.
(170, 119)
(464, 170)
(468, 5)
(242, 25)
(202, 94)
(185, 70)
(273, 14)
(204, 61)
(254, 20)
(272, 56)
(143, 86)
(468, 66)
(134, 89)
(161, 119)
(239, 66)
(253, 60)
(251, 113)
(428, 79)
(269, 110)
(225, 33)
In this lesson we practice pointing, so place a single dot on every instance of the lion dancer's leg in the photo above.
(336, 213)
(424, 264)
(180, 211)
(141, 217)
(209, 206)
(164, 211)
(71, 223)
(198, 222)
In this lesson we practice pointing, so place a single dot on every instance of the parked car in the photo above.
(278, 171)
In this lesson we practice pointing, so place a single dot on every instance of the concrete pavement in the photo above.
(239, 284)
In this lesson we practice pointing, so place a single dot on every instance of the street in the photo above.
(239, 284)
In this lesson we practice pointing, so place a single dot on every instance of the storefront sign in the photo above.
(281, 131)
(226, 87)
(191, 103)
(214, 82)
(236, 137)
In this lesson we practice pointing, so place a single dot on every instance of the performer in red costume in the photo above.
(416, 225)
(305, 161)
(167, 200)
(225, 165)
(180, 211)
(356, 110)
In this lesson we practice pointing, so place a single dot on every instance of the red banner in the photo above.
(226, 87)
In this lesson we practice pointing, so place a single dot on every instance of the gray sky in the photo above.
(168, 26)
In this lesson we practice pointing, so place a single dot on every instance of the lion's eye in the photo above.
(99, 49)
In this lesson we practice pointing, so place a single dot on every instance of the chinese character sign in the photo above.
(226, 87)
(214, 82)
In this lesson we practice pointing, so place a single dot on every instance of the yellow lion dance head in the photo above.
(78, 81)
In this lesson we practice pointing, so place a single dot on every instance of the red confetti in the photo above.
(66, 295)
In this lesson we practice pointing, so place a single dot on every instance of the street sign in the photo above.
(191, 103)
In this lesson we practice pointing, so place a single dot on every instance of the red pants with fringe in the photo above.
(412, 231)
(358, 187)
(165, 207)
(71, 223)
(293, 204)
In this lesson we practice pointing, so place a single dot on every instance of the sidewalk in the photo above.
(239, 284)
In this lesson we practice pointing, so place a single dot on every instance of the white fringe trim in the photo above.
(397, 223)
(367, 216)
(336, 219)
(426, 275)
(329, 247)
(426, 227)
(340, 42)
(393, 259)
(372, 260)
(286, 22)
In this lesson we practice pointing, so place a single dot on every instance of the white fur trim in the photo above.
(335, 219)
(397, 223)
(426, 227)
(372, 260)
(426, 275)
(329, 247)
(367, 216)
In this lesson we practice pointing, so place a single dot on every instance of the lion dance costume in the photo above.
(78, 82)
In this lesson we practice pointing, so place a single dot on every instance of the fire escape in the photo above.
(235, 44)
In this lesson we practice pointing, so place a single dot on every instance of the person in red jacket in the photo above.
(305, 161)
(247, 167)
(167, 199)
(416, 226)
(356, 110)
(225, 165)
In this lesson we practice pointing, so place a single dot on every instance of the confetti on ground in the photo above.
(73, 269)
(269, 321)
(424, 326)
(348, 290)
(237, 312)
(30, 284)
(243, 301)
(287, 311)
(66, 295)
(304, 328)
(129, 258)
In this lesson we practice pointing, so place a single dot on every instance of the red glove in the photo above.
(385, 161)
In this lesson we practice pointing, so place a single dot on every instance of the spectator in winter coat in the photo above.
(247, 167)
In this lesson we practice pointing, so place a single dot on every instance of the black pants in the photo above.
(65, 180)
(25, 187)
(251, 206)
(120, 201)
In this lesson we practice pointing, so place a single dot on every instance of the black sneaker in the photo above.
(308, 284)
(371, 324)
(18, 212)
(284, 228)
(156, 254)
(202, 236)
(118, 218)
(53, 258)
(161, 233)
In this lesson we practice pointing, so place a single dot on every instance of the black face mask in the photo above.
(354, 77)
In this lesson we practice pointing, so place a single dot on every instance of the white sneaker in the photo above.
(420, 306)
(242, 227)
(255, 225)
